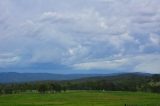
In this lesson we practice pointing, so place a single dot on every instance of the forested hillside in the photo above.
(122, 82)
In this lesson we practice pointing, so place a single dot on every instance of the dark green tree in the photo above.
(42, 88)
(8, 90)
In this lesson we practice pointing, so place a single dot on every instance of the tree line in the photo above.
(112, 83)
(40, 87)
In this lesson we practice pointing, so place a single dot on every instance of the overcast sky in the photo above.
(80, 36)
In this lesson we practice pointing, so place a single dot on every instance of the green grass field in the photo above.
(82, 98)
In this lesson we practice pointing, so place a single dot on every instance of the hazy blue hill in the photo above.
(7, 77)
(25, 77)
(118, 77)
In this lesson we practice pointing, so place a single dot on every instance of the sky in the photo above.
(80, 36)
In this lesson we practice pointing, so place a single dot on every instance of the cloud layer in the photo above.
(80, 36)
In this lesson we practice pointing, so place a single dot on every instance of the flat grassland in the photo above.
(82, 98)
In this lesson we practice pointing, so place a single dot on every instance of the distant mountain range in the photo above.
(10, 77)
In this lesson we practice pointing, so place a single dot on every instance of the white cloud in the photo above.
(148, 63)
(149, 67)
(140, 63)
(113, 64)
(155, 39)
(77, 33)
(7, 59)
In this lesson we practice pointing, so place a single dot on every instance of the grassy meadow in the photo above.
(82, 98)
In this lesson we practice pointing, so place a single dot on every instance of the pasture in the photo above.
(82, 98)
